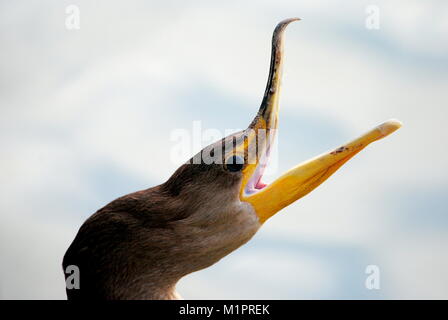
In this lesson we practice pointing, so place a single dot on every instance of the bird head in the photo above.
(221, 185)
(235, 165)
(210, 206)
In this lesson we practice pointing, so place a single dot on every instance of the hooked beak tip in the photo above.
(389, 126)
(282, 24)
(291, 20)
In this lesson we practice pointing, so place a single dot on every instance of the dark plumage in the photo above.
(138, 246)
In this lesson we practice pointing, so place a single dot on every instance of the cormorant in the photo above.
(140, 245)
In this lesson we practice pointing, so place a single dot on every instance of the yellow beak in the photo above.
(302, 179)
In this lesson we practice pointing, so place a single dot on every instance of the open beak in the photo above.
(302, 179)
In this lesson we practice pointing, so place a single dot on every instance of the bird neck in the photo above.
(167, 292)
(146, 287)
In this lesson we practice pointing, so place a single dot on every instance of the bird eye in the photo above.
(234, 163)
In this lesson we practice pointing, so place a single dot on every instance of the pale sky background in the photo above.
(86, 116)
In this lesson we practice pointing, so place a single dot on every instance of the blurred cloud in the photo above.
(86, 117)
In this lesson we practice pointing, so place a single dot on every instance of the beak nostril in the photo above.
(339, 150)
